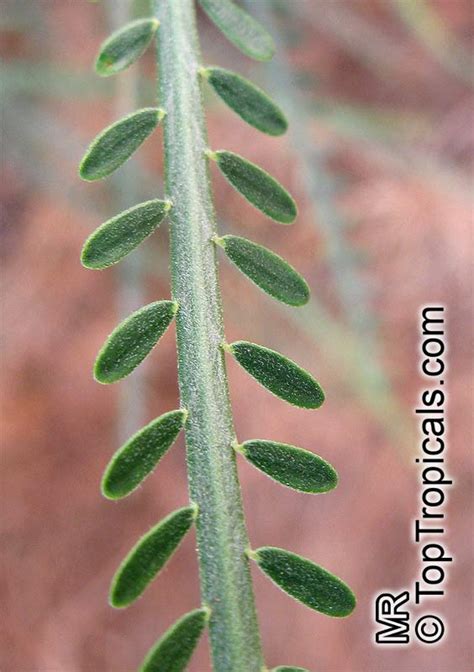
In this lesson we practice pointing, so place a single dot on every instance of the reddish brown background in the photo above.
(392, 121)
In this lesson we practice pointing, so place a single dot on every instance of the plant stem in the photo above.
(221, 533)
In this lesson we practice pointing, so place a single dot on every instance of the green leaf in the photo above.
(125, 46)
(305, 581)
(173, 651)
(285, 668)
(135, 460)
(149, 556)
(257, 186)
(114, 239)
(280, 375)
(294, 467)
(132, 340)
(250, 102)
(117, 143)
(266, 269)
(240, 28)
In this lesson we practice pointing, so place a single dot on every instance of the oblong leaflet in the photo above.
(292, 466)
(125, 46)
(133, 339)
(117, 237)
(173, 651)
(266, 269)
(278, 374)
(251, 103)
(149, 556)
(240, 28)
(256, 186)
(307, 582)
(137, 458)
(115, 144)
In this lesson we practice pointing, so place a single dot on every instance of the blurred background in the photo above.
(379, 94)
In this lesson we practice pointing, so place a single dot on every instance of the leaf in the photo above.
(305, 581)
(135, 460)
(114, 239)
(285, 668)
(117, 143)
(174, 650)
(257, 186)
(294, 467)
(148, 556)
(280, 375)
(250, 102)
(125, 46)
(266, 269)
(132, 340)
(240, 28)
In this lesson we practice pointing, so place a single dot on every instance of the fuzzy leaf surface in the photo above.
(247, 100)
(294, 467)
(278, 374)
(117, 237)
(257, 186)
(125, 46)
(267, 270)
(118, 142)
(137, 458)
(149, 556)
(305, 581)
(240, 28)
(133, 339)
(285, 668)
(173, 651)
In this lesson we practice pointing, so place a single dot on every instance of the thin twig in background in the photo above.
(130, 288)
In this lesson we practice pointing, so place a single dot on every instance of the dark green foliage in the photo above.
(250, 102)
(132, 340)
(117, 143)
(266, 269)
(120, 235)
(305, 581)
(134, 461)
(280, 375)
(174, 650)
(240, 28)
(294, 467)
(214, 488)
(125, 46)
(148, 556)
(257, 186)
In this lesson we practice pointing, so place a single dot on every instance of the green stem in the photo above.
(221, 533)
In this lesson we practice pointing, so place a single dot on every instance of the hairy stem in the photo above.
(221, 533)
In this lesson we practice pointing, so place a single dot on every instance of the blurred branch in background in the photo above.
(355, 344)
(425, 24)
(125, 194)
